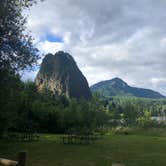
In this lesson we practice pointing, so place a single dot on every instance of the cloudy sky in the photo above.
(107, 38)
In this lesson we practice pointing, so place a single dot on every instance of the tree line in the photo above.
(132, 111)
(24, 109)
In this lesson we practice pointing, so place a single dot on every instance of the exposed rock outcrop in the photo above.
(60, 75)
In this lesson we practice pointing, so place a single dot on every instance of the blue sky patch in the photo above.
(54, 38)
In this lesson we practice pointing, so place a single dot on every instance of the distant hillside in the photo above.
(117, 87)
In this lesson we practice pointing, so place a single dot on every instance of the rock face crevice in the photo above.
(60, 75)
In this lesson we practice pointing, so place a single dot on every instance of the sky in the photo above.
(108, 38)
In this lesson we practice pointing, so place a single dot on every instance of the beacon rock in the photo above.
(60, 75)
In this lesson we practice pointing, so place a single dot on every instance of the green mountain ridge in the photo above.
(117, 87)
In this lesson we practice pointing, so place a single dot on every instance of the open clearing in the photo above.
(132, 150)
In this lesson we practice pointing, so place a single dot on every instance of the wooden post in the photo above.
(22, 158)
(6, 162)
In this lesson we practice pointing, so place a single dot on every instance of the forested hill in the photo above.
(117, 87)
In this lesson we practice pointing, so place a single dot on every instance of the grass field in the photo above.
(132, 150)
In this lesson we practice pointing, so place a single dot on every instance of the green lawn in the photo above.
(132, 150)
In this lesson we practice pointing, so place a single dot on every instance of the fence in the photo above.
(80, 139)
(21, 160)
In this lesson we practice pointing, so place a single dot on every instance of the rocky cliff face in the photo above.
(60, 75)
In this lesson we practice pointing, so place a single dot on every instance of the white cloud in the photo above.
(29, 75)
(50, 47)
(107, 38)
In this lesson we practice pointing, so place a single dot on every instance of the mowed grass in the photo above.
(132, 150)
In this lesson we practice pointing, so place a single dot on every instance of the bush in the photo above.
(122, 130)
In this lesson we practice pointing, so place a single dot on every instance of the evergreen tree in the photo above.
(16, 48)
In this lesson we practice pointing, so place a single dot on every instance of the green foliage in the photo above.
(145, 120)
(24, 109)
(127, 111)
(9, 98)
(16, 47)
